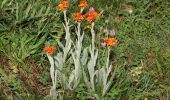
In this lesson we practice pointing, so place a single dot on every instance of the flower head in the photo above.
(91, 9)
(49, 49)
(91, 16)
(83, 4)
(103, 43)
(112, 32)
(110, 41)
(63, 5)
(78, 17)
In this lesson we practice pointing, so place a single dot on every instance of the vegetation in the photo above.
(54, 50)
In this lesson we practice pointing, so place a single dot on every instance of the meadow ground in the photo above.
(141, 56)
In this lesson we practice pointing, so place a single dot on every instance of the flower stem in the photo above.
(93, 36)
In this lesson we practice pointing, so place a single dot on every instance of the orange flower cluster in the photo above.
(91, 16)
(78, 17)
(50, 49)
(110, 41)
(63, 5)
(83, 4)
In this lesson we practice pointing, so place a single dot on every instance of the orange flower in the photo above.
(83, 4)
(110, 41)
(91, 16)
(78, 17)
(49, 49)
(63, 5)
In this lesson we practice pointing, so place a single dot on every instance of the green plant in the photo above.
(70, 77)
(18, 47)
(27, 20)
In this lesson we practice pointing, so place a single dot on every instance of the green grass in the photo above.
(143, 42)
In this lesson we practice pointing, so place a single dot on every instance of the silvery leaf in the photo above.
(59, 60)
(71, 77)
(84, 57)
